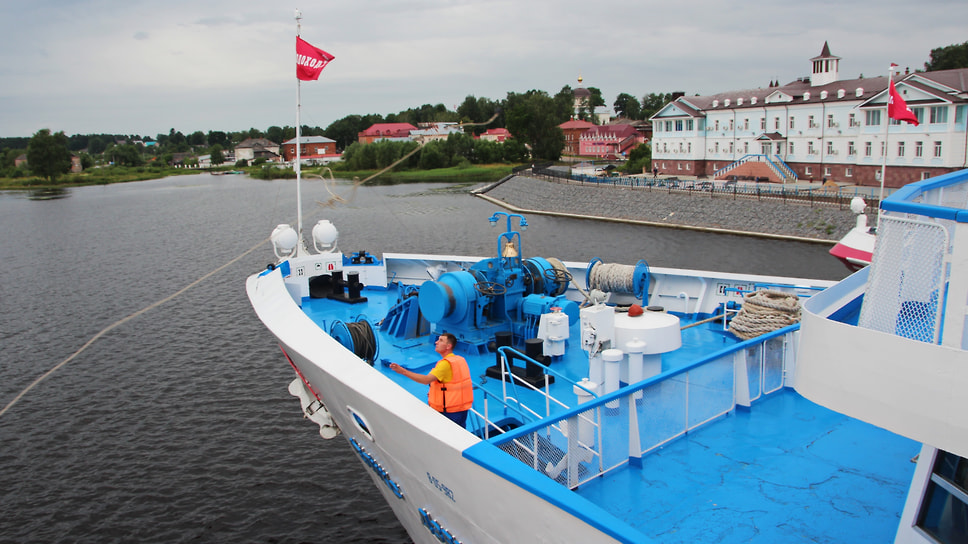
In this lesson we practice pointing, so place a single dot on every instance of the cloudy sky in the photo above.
(136, 67)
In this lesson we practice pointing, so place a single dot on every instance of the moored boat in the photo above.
(589, 422)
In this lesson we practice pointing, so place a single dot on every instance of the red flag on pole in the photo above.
(310, 60)
(898, 109)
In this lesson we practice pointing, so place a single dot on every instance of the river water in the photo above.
(176, 425)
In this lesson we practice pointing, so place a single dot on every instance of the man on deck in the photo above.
(451, 389)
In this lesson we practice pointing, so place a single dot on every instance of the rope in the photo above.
(364, 342)
(613, 278)
(764, 311)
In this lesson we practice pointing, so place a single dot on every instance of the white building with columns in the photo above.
(818, 127)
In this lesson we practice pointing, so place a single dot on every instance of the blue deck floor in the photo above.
(786, 471)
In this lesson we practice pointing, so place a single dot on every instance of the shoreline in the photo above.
(720, 215)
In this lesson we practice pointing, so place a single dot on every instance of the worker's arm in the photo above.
(425, 379)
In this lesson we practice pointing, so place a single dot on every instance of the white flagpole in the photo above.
(298, 146)
(887, 126)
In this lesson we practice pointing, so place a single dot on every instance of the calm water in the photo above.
(177, 426)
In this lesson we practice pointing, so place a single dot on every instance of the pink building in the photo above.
(386, 131)
(496, 135)
(609, 141)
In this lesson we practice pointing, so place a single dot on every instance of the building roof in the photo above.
(575, 123)
(825, 53)
(382, 129)
(256, 143)
(498, 131)
(310, 140)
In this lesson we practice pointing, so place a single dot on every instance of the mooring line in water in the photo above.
(123, 320)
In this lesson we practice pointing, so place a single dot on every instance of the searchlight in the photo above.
(284, 241)
(326, 235)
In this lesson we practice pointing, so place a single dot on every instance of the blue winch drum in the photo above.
(448, 297)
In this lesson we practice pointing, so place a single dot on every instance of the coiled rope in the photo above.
(612, 278)
(764, 311)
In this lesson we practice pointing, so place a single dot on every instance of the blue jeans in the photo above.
(459, 418)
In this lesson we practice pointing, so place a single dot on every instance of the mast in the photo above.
(299, 223)
(887, 128)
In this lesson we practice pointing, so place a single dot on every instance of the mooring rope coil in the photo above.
(765, 311)
(613, 278)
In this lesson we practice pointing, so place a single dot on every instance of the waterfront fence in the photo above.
(839, 197)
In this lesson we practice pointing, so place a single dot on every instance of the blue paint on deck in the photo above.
(786, 471)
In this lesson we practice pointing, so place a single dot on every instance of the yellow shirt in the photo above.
(442, 371)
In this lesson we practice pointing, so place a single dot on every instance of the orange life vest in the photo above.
(457, 395)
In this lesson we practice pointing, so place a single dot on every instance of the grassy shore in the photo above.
(120, 174)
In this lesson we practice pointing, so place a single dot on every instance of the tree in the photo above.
(948, 57)
(627, 106)
(196, 138)
(533, 117)
(216, 153)
(275, 134)
(653, 102)
(218, 138)
(47, 155)
(639, 159)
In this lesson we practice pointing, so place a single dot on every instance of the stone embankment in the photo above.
(701, 210)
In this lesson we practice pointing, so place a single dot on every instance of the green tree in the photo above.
(95, 145)
(47, 155)
(533, 118)
(218, 137)
(196, 138)
(653, 102)
(948, 57)
(275, 134)
(216, 153)
(433, 156)
(639, 159)
(627, 106)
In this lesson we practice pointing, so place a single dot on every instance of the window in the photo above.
(746, 147)
(716, 125)
(867, 149)
(852, 120)
(827, 172)
(689, 124)
(668, 126)
(731, 147)
(689, 147)
(925, 175)
(850, 148)
(810, 149)
(678, 125)
(918, 114)
(807, 170)
(937, 149)
(830, 148)
(900, 149)
(746, 123)
(763, 123)
(883, 148)
(790, 148)
(830, 121)
(730, 124)
(810, 122)
(776, 123)
(716, 147)
(944, 511)
(939, 114)
(849, 172)
(872, 117)
(918, 149)
(792, 124)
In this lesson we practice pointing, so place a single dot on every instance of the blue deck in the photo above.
(785, 471)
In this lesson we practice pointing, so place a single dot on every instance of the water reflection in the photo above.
(49, 193)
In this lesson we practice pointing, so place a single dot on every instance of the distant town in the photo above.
(819, 127)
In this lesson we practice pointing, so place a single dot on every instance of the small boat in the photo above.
(626, 403)
(856, 248)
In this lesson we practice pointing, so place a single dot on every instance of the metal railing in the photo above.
(618, 429)
(839, 197)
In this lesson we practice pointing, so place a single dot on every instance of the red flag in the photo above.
(310, 60)
(898, 109)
